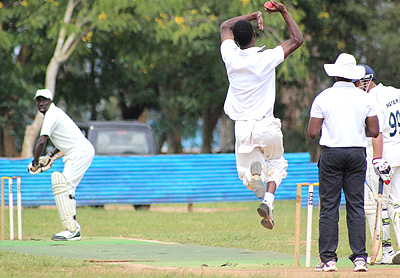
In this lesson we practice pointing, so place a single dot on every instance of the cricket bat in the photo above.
(377, 239)
(57, 156)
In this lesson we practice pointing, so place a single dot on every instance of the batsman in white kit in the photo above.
(383, 160)
(77, 152)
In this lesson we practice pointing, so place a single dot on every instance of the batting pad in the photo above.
(64, 201)
(370, 208)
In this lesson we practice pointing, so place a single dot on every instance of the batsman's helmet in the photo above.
(369, 73)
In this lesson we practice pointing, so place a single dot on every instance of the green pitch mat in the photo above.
(146, 252)
(154, 253)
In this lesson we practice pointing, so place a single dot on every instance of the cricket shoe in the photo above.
(266, 211)
(396, 258)
(360, 265)
(329, 266)
(387, 257)
(68, 235)
(256, 183)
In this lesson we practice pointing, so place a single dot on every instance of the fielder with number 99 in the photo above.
(383, 159)
(78, 155)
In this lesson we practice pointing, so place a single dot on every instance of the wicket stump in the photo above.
(11, 206)
(298, 223)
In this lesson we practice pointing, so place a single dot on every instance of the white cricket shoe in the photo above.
(257, 185)
(329, 266)
(386, 257)
(67, 235)
(266, 211)
(360, 265)
(396, 258)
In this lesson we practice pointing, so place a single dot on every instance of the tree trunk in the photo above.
(174, 141)
(210, 120)
(9, 142)
(32, 131)
(143, 116)
(64, 48)
(227, 135)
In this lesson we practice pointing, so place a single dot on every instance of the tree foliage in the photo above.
(161, 59)
(368, 29)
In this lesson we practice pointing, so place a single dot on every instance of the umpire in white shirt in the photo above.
(343, 116)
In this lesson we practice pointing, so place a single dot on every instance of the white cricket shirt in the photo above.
(63, 132)
(387, 100)
(343, 108)
(251, 75)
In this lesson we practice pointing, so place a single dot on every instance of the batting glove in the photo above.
(34, 168)
(44, 160)
(382, 168)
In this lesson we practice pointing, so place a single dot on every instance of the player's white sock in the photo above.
(269, 198)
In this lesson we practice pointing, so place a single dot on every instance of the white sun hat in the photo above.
(44, 93)
(345, 66)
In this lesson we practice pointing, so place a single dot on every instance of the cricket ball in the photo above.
(268, 4)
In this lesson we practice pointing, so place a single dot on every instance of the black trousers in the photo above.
(341, 168)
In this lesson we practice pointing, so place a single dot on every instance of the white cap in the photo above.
(345, 66)
(44, 93)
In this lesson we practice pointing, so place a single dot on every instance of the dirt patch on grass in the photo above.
(301, 272)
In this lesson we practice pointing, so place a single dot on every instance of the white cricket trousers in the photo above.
(391, 192)
(390, 200)
(260, 141)
(75, 166)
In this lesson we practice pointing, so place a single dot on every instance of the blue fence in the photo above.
(160, 179)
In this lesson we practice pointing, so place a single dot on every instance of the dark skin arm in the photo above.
(295, 37)
(39, 148)
(372, 127)
(314, 127)
(53, 152)
(377, 145)
(226, 27)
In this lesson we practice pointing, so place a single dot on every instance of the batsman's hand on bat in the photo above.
(383, 169)
(34, 168)
(44, 164)
(44, 160)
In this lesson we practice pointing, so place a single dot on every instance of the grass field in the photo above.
(215, 224)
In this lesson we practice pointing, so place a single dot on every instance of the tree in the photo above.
(79, 19)
(12, 104)
(175, 34)
(365, 28)
(191, 79)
